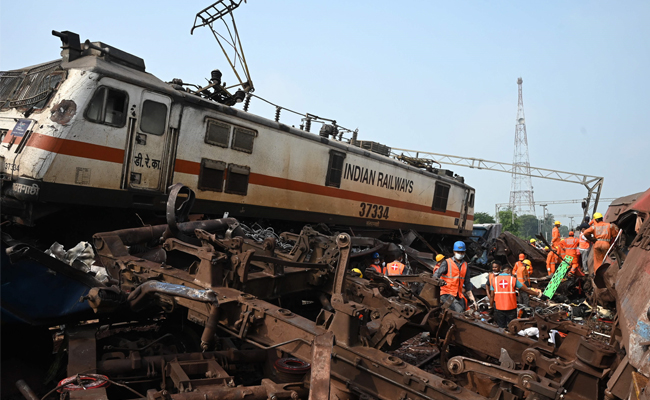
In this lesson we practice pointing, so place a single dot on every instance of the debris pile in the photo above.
(213, 309)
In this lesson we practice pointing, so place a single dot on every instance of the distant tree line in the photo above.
(524, 226)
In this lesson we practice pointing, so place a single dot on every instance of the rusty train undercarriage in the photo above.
(201, 310)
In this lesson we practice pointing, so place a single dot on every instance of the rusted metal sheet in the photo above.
(633, 302)
(507, 248)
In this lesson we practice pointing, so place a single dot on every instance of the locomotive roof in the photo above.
(124, 73)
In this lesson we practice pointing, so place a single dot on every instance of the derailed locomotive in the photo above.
(94, 128)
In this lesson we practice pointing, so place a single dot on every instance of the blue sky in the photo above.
(424, 75)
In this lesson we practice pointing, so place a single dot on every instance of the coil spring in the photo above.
(308, 124)
(247, 101)
(277, 113)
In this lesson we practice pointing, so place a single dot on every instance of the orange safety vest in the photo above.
(521, 270)
(505, 297)
(570, 244)
(583, 243)
(454, 279)
(602, 231)
(395, 268)
(376, 268)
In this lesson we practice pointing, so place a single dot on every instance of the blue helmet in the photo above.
(376, 255)
(459, 246)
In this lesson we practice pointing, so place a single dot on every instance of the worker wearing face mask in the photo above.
(453, 272)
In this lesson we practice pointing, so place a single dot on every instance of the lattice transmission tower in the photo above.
(521, 190)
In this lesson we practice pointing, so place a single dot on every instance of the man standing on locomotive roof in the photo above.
(453, 272)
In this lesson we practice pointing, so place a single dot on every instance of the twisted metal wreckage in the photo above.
(283, 318)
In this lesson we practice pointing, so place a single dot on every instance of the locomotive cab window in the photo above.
(335, 169)
(471, 200)
(211, 175)
(154, 117)
(217, 133)
(237, 179)
(440, 197)
(243, 139)
(108, 107)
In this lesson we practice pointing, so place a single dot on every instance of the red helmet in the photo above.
(571, 233)
(522, 256)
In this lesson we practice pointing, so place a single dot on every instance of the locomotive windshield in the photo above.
(30, 87)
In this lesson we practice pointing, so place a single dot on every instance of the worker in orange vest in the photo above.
(453, 272)
(602, 234)
(502, 290)
(570, 248)
(522, 271)
(551, 262)
(555, 239)
(376, 264)
(439, 259)
(396, 267)
(533, 243)
(519, 264)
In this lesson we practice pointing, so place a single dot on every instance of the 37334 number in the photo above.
(373, 211)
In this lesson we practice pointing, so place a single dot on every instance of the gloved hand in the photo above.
(475, 305)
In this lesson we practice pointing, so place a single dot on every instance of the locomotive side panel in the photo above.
(295, 174)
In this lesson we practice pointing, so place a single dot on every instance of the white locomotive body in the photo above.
(95, 129)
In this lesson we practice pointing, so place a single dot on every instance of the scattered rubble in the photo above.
(213, 309)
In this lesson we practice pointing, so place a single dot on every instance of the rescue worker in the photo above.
(496, 270)
(551, 262)
(522, 271)
(519, 266)
(555, 238)
(396, 267)
(502, 289)
(570, 248)
(532, 243)
(453, 271)
(584, 246)
(546, 249)
(439, 259)
(357, 272)
(601, 234)
(376, 264)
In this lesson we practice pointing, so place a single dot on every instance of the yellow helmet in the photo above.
(358, 272)
(527, 262)
(598, 215)
(557, 223)
(545, 247)
(533, 240)
(439, 257)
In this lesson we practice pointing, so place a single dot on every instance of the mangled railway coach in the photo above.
(94, 128)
